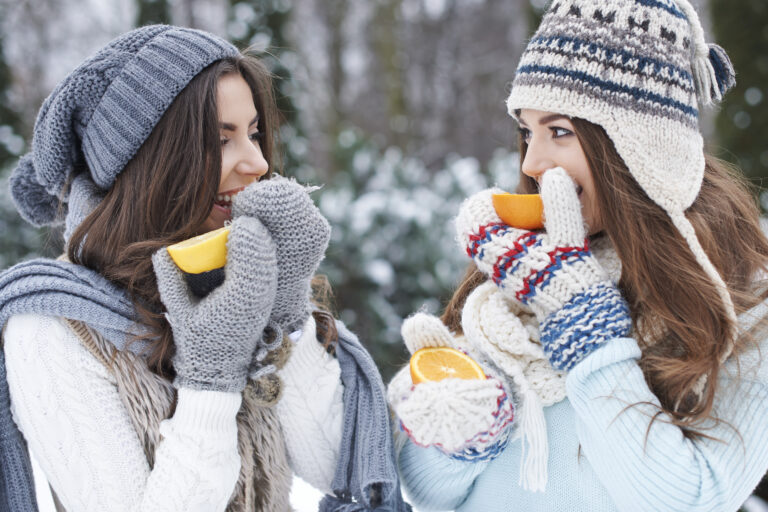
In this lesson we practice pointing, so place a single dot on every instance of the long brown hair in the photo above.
(678, 317)
(165, 193)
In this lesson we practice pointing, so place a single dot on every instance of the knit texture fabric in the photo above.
(465, 419)
(366, 477)
(592, 465)
(62, 289)
(264, 481)
(638, 69)
(216, 337)
(301, 235)
(552, 272)
(96, 119)
(506, 332)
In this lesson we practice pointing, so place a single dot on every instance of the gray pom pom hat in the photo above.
(97, 118)
(639, 69)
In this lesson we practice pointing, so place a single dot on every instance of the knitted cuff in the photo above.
(457, 418)
(489, 444)
(587, 320)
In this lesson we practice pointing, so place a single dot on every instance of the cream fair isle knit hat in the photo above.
(639, 69)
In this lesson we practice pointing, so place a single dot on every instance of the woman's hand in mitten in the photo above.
(466, 419)
(552, 271)
(215, 337)
(301, 235)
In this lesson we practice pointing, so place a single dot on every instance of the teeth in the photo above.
(225, 198)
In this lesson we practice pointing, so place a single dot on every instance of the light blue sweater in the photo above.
(599, 459)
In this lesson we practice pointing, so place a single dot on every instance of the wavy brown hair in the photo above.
(166, 192)
(677, 314)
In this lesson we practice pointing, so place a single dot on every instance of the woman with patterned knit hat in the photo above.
(134, 388)
(624, 342)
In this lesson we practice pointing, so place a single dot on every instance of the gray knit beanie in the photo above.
(97, 118)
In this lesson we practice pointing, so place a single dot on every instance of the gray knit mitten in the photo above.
(216, 336)
(301, 235)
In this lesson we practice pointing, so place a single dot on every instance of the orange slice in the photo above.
(438, 363)
(524, 211)
(201, 253)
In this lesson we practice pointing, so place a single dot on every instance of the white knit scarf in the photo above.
(505, 334)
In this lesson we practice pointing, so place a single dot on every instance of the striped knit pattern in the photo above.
(638, 69)
(465, 419)
(627, 66)
(102, 112)
(589, 319)
(145, 87)
(632, 55)
(488, 444)
(502, 251)
(456, 416)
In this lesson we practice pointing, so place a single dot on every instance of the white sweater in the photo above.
(66, 404)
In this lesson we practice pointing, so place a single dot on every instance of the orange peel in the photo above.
(524, 211)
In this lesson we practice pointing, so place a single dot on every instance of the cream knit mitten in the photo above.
(553, 272)
(466, 419)
(216, 336)
(301, 235)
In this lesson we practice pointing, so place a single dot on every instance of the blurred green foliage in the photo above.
(742, 125)
(149, 12)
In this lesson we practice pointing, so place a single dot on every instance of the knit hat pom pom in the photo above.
(35, 204)
(714, 74)
(725, 76)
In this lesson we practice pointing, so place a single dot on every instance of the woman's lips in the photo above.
(222, 204)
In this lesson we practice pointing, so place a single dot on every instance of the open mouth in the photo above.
(223, 200)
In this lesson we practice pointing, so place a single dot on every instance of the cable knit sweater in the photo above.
(66, 404)
(599, 459)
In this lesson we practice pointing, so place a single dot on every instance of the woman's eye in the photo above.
(223, 141)
(560, 132)
(257, 137)
(525, 134)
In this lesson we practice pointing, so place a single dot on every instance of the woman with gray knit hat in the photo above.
(135, 390)
(624, 342)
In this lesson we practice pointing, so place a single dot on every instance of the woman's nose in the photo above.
(252, 161)
(537, 160)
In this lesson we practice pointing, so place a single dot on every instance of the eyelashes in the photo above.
(254, 137)
(557, 132)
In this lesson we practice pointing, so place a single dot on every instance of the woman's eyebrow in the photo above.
(231, 127)
(553, 117)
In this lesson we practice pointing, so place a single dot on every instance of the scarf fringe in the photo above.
(534, 443)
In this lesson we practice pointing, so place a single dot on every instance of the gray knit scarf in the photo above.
(365, 478)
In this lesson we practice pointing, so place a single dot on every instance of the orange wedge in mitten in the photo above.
(524, 211)
(202, 253)
(437, 363)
